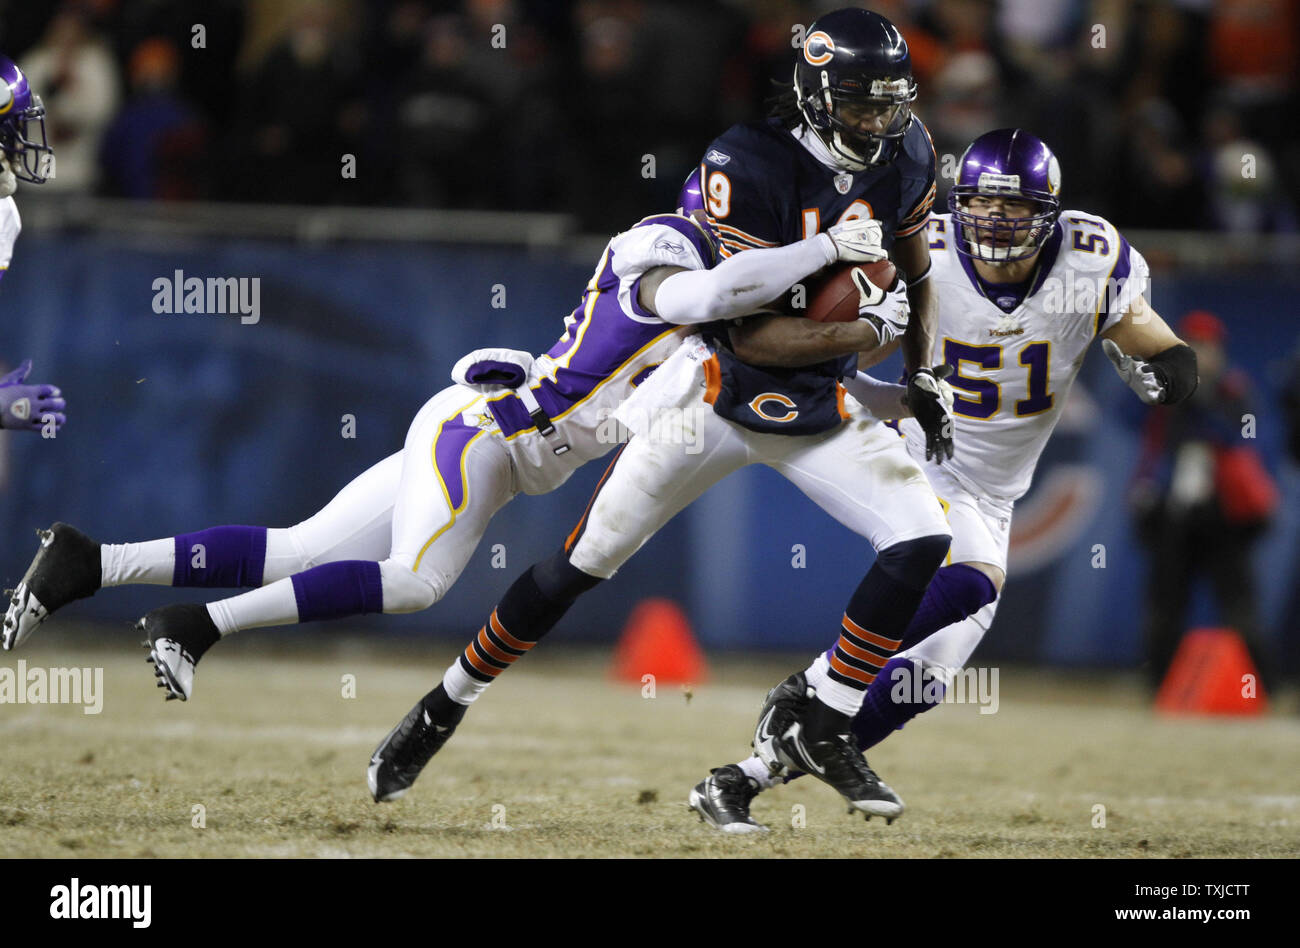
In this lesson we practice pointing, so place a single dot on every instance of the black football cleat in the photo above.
(66, 568)
(400, 757)
(784, 705)
(722, 800)
(839, 763)
(177, 636)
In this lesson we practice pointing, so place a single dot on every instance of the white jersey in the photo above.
(1013, 371)
(10, 225)
(610, 345)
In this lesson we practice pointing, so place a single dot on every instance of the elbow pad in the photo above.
(492, 370)
(1176, 370)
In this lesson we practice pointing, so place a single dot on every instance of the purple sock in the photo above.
(334, 590)
(956, 592)
(894, 699)
(226, 557)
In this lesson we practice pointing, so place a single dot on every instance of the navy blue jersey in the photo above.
(763, 188)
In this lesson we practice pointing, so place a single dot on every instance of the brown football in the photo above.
(831, 296)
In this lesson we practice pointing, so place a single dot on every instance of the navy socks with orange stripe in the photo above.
(531, 607)
(872, 629)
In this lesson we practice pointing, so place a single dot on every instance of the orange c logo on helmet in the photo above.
(827, 52)
(782, 400)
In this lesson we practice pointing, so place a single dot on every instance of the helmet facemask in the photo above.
(837, 115)
(22, 137)
(1001, 239)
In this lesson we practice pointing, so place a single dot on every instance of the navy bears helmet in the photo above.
(854, 86)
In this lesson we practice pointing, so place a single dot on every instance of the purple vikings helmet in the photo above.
(22, 126)
(691, 196)
(691, 203)
(1008, 163)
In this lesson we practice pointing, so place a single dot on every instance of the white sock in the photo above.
(753, 767)
(842, 698)
(152, 562)
(274, 604)
(460, 687)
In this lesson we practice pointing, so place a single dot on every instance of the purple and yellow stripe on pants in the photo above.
(450, 447)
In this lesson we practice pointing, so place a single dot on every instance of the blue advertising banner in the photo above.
(181, 421)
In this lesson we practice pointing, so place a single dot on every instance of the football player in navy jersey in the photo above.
(842, 143)
(843, 148)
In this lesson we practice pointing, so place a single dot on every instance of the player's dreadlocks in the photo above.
(783, 104)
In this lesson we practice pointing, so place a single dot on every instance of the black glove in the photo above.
(932, 410)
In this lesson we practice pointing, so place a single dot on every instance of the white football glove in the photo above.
(929, 397)
(493, 370)
(1136, 374)
(888, 309)
(942, 372)
(8, 182)
(857, 241)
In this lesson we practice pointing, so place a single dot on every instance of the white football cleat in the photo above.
(65, 568)
(177, 636)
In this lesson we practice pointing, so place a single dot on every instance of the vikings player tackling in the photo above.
(25, 407)
(1024, 288)
(395, 539)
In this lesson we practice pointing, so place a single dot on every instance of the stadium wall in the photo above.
(183, 421)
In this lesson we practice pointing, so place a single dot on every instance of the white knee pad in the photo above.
(406, 590)
(285, 554)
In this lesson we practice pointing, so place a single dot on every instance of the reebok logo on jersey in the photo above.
(669, 246)
(717, 157)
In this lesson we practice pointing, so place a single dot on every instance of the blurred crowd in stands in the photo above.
(1165, 113)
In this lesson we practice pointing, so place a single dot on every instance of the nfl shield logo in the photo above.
(843, 182)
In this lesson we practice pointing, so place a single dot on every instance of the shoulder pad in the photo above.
(917, 154)
(749, 146)
(1091, 242)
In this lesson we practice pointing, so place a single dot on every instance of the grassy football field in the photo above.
(557, 760)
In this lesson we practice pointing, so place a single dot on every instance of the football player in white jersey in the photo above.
(23, 406)
(1024, 288)
(396, 538)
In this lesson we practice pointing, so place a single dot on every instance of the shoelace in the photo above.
(743, 785)
(413, 743)
(849, 758)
